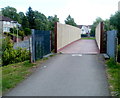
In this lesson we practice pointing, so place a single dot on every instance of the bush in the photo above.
(27, 31)
(21, 33)
(118, 56)
(112, 63)
(11, 30)
(92, 35)
(6, 33)
(10, 55)
(84, 35)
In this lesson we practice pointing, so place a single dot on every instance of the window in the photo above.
(8, 23)
(4, 22)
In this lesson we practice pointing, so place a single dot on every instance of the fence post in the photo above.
(50, 40)
(33, 45)
(116, 46)
(30, 49)
(55, 31)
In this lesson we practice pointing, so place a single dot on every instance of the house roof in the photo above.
(3, 18)
(80, 26)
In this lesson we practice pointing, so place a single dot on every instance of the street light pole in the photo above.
(17, 34)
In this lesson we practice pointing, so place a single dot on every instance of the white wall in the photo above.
(66, 34)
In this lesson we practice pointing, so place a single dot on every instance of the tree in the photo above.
(31, 18)
(95, 23)
(69, 20)
(52, 20)
(41, 21)
(115, 22)
(21, 33)
(25, 22)
(27, 31)
(11, 12)
(107, 25)
(21, 15)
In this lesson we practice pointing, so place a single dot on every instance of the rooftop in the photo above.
(80, 26)
(3, 18)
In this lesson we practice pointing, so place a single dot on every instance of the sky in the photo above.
(84, 12)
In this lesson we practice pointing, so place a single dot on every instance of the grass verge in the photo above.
(113, 72)
(14, 73)
(91, 38)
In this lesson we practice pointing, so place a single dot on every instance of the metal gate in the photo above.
(40, 44)
(112, 43)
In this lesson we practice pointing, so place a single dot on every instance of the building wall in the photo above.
(1, 27)
(85, 30)
(98, 34)
(66, 34)
(7, 25)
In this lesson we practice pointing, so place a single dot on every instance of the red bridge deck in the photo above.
(81, 46)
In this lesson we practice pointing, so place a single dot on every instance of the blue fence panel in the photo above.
(111, 43)
(40, 44)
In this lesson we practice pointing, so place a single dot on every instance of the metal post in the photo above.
(33, 45)
(17, 34)
(13, 33)
(55, 32)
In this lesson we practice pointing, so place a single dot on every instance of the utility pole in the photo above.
(17, 34)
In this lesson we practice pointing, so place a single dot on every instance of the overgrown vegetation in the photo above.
(113, 71)
(10, 55)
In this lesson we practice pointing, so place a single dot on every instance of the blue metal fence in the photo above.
(40, 44)
(112, 43)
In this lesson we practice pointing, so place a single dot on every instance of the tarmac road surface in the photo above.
(66, 75)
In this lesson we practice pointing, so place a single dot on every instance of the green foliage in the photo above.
(111, 63)
(84, 35)
(89, 38)
(21, 33)
(11, 55)
(41, 21)
(69, 20)
(31, 18)
(107, 25)
(11, 30)
(14, 30)
(6, 44)
(14, 73)
(95, 23)
(11, 12)
(115, 22)
(21, 14)
(113, 70)
(52, 20)
(25, 22)
(27, 31)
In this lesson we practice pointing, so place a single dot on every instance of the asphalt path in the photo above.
(66, 75)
